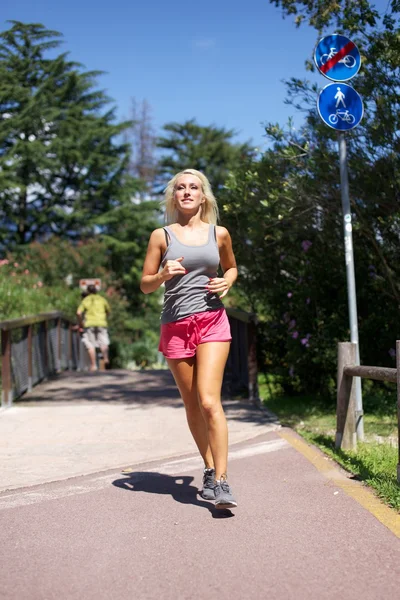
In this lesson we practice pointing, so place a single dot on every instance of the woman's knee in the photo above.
(211, 407)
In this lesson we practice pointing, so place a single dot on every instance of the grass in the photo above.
(374, 461)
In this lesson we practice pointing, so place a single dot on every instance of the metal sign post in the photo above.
(341, 108)
(350, 273)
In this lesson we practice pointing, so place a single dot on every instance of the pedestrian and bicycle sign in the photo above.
(337, 57)
(340, 106)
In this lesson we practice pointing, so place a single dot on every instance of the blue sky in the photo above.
(221, 62)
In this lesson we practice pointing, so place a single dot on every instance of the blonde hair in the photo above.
(209, 210)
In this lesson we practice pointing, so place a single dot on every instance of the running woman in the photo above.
(195, 332)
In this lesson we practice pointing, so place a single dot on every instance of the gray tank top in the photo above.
(186, 294)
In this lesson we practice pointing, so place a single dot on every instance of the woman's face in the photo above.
(188, 193)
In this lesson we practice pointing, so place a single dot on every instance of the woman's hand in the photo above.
(218, 285)
(172, 268)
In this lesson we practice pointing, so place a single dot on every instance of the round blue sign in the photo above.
(337, 58)
(340, 106)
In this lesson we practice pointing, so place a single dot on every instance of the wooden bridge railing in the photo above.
(346, 437)
(34, 347)
(241, 370)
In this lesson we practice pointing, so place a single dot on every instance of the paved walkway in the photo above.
(304, 529)
(83, 423)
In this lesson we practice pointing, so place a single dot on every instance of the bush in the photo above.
(45, 277)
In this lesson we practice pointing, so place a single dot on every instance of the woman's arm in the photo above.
(222, 285)
(152, 278)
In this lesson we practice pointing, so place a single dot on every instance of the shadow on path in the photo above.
(129, 388)
(132, 389)
(178, 487)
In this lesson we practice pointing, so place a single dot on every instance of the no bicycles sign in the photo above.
(337, 58)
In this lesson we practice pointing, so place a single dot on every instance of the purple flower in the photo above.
(392, 353)
(295, 335)
(308, 300)
(292, 324)
(306, 245)
(282, 256)
(289, 294)
(304, 342)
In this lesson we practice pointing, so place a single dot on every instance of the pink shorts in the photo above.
(180, 339)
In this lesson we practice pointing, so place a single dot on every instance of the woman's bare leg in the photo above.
(184, 372)
(211, 358)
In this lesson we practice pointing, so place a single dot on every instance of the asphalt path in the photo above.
(145, 533)
(82, 423)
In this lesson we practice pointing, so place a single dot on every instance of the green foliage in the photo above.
(374, 463)
(60, 162)
(23, 293)
(314, 417)
(144, 353)
(125, 232)
(209, 149)
(337, 14)
(45, 277)
(65, 172)
(284, 212)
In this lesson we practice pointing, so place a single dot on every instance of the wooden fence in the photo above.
(346, 415)
(241, 371)
(34, 347)
(37, 346)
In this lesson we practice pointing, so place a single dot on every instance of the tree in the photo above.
(142, 140)
(208, 149)
(341, 14)
(61, 164)
(284, 212)
(125, 232)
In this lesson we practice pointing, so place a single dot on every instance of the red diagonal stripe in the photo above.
(335, 59)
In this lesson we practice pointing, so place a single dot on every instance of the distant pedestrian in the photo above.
(92, 315)
(195, 332)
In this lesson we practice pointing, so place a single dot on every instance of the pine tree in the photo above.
(209, 149)
(143, 146)
(60, 162)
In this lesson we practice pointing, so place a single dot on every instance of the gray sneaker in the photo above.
(208, 485)
(223, 495)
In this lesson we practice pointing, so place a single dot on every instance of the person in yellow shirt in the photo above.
(93, 311)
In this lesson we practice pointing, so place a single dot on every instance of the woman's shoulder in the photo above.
(157, 234)
(222, 232)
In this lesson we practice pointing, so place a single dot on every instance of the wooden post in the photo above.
(30, 370)
(346, 436)
(252, 362)
(45, 350)
(398, 403)
(6, 393)
(78, 352)
(70, 351)
(58, 365)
